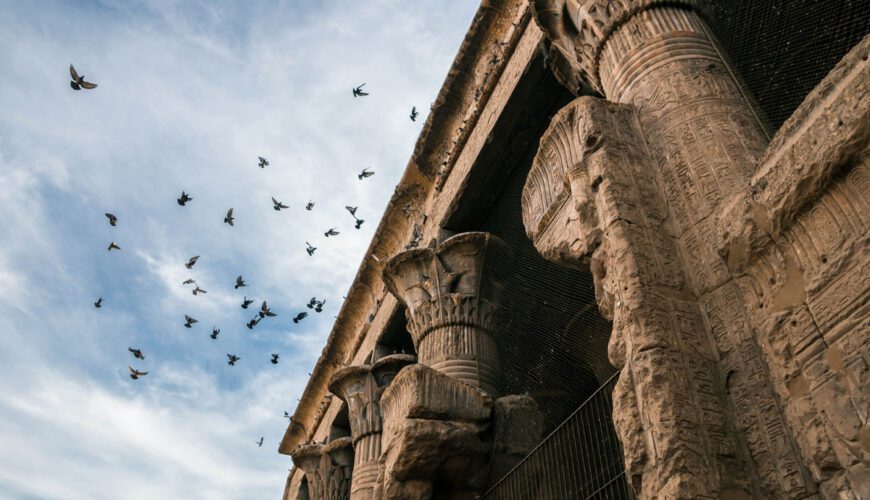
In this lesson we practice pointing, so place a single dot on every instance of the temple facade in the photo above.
(628, 258)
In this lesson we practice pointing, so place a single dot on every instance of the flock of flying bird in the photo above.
(78, 82)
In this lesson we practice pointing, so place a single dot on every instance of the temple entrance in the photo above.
(551, 337)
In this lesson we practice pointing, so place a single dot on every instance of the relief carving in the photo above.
(451, 298)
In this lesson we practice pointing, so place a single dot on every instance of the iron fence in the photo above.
(581, 458)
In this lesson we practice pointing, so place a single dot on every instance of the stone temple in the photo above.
(627, 259)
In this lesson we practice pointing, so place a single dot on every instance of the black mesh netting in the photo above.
(783, 48)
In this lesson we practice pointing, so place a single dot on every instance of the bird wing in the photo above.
(229, 213)
(276, 202)
(88, 85)
(72, 73)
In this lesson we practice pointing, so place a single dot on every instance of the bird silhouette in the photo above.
(274, 359)
(310, 249)
(278, 205)
(231, 359)
(331, 232)
(113, 246)
(359, 222)
(312, 303)
(358, 91)
(263, 162)
(135, 374)
(246, 303)
(265, 311)
(113, 221)
(240, 282)
(99, 303)
(184, 198)
(78, 82)
(352, 210)
(229, 218)
(188, 281)
(259, 443)
(191, 261)
(414, 113)
(309, 205)
(319, 306)
(251, 324)
(137, 353)
(288, 416)
(188, 321)
(299, 317)
(198, 290)
(215, 331)
(365, 173)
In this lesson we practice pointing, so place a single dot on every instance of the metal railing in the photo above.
(581, 458)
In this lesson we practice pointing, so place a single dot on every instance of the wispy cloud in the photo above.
(190, 93)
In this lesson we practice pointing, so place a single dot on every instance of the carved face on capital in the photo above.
(559, 208)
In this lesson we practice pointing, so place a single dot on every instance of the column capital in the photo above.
(579, 29)
(451, 298)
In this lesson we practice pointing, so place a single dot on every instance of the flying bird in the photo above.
(312, 303)
(265, 311)
(184, 198)
(309, 205)
(414, 113)
(229, 218)
(263, 162)
(358, 91)
(365, 173)
(215, 331)
(246, 303)
(240, 282)
(78, 82)
(188, 281)
(278, 205)
(188, 321)
(331, 232)
(299, 317)
(113, 246)
(99, 303)
(135, 374)
(231, 359)
(198, 290)
(274, 359)
(352, 210)
(251, 324)
(137, 353)
(310, 249)
(259, 443)
(191, 261)
(359, 222)
(319, 306)
(113, 221)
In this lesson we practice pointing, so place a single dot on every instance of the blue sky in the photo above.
(190, 93)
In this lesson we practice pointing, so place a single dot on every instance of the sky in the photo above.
(190, 94)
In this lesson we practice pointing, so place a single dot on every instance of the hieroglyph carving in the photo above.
(450, 301)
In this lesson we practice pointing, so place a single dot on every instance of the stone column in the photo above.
(450, 304)
(361, 388)
(637, 183)
(307, 457)
(328, 468)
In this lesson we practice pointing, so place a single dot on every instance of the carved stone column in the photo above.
(638, 182)
(328, 468)
(361, 388)
(307, 457)
(450, 301)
